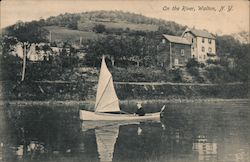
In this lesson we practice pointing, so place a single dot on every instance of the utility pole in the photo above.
(170, 56)
(80, 41)
(50, 36)
(24, 59)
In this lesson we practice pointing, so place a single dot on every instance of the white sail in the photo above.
(105, 139)
(106, 98)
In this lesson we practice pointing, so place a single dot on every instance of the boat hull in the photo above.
(96, 116)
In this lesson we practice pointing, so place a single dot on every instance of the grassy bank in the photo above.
(83, 91)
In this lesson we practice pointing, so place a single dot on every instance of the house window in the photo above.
(210, 49)
(203, 40)
(182, 52)
(163, 41)
(192, 40)
(203, 49)
(204, 57)
(176, 61)
(209, 41)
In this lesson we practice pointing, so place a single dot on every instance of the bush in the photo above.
(217, 73)
(210, 61)
(192, 63)
(99, 28)
(194, 71)
(177, 75)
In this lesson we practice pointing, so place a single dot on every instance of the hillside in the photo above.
(88, 25)
(63, 33)
(112, 19)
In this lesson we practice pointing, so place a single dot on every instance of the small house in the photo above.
(36, 55)
(18, 50)
(174, 51)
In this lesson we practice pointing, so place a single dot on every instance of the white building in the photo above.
(203, 44)
(18, 50)
(34, 55)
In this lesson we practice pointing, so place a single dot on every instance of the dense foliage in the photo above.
(29, 32)
(126, 48)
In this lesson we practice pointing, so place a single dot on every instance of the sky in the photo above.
(233, 18)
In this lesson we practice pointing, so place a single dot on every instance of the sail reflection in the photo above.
(107, 135)
(106, 139)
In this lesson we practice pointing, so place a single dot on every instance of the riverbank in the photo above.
(84, 91)
(92, 102)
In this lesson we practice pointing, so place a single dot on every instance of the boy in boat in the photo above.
(139, 110)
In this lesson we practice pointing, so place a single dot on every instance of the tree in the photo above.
(99, 28)
(32, 32)
(242, 56)
(7, 43)
(226, 44)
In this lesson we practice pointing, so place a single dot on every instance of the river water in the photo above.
(188, 132)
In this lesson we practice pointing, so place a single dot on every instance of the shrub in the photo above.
(177, 75)
(217, 73)
(192, 63)
(210, 61)
(99, 28)
(194, 71)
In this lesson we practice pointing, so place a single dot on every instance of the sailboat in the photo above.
(107, 103)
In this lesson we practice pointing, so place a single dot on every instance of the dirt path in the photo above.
(92, 102)
(149, 83)
(171, 83)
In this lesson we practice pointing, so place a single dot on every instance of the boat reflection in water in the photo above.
(107, 133)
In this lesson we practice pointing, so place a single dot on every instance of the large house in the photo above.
(203, 44)
(175, 51)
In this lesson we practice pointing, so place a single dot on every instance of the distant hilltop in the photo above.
(242, 37)
(71, 26)
(112, 20)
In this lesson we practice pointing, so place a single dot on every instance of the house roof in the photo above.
(176, 39)
(200, 33)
